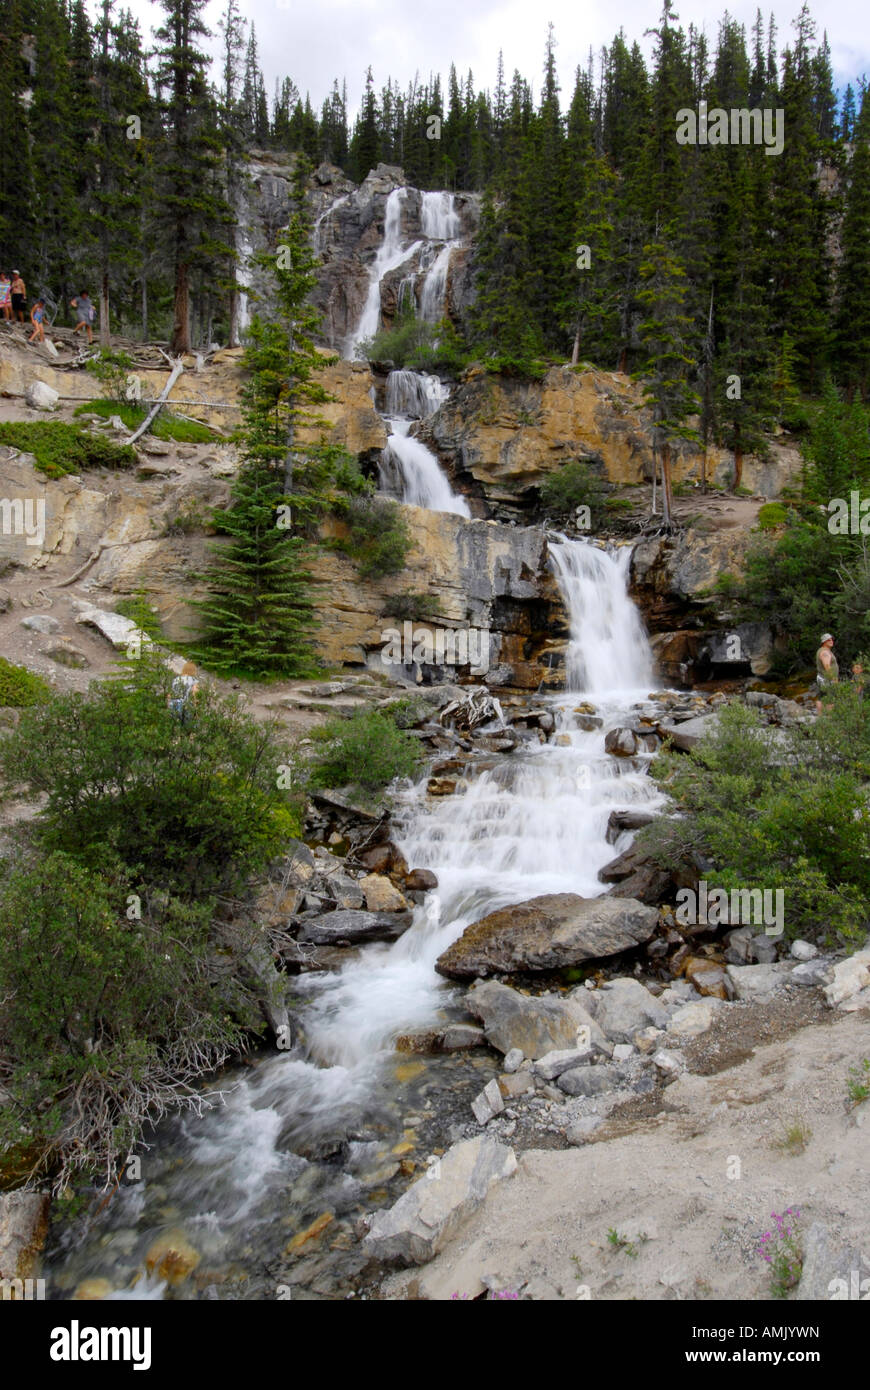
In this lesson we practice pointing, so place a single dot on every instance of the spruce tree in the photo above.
(852, 327)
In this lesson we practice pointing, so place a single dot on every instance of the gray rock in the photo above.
(120, 631)
(848, 977)
(547, 933)
(588, 1081)
(621, 743)
(689, 734)
(690, 1020)
(426, 1216)
(830, 1271)
(668, 1064)
(579, 1132)
(41, 622)
(625, 1006)
(553, 1064)
(764, 949)
(804, 950)
(533, 1025)
(513, 1060)
(811, 972)
(488, 1103)
(753, 981)
(738, 946)
(40, 396)
(350, 925)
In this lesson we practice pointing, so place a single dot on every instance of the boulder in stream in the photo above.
(547, 933)
(329, 928)
(536, 1025)
(426, 1216)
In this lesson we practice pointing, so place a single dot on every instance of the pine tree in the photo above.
(594, 311)
(664, 335)
(232, 28)
(852, 345)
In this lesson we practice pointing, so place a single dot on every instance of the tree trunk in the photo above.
(181, 325)
(234, 314)
(667, 496)
(575, 354)
(144, 308)
(105, 333)
(655, 474)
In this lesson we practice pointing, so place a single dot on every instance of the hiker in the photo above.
(85, 313)
(827, 667)
(859, 675)
(37, 314)
(19, 296)
(184, 691)
(5, 296)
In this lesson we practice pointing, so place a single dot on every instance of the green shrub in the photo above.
(378, 539)
(573, 485)
(777, 809)
(110, 1011)
(20, 688)
(197, 809)
(772, 515)
(60, 448)
(111, 369)
(412, 607)
(366, 751)
(139, 611)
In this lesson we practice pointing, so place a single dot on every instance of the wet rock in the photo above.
(547, 933)
(622, 743)
(441, 786)
(172, 1257)
(426, 1216)
(23, 1227)
(93, 1290)
(488, 1103)
(462, 1035)
(381, 895)
(624, 1006)
(848, 977)
(707, 976)
(420, 1042)
(588, 1081)
(420, 881)
(620, 821)
(533, 1025)
(349, 925)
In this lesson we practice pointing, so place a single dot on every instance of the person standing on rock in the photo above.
(827, 668)
(37, 315)
(85, 313)
(19, 296)
(5, 296)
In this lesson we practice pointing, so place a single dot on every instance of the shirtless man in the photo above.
(827, 667)
(19, 296)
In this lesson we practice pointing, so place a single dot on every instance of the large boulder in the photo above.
(847, 978)
(547, 933)
(535, 1024)
(349, 925)
(426, 1216)
(40, 396)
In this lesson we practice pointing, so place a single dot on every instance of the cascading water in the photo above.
(234, 1180)
(412, 473)
(413, 395)
(438, 216)
(391, 254)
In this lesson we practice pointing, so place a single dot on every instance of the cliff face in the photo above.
(499, 438)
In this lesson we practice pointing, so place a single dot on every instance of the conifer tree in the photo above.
(853, 314)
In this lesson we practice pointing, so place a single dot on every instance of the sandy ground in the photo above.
(692, 1187)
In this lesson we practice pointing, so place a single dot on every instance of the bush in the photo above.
(412, 607)
(165, 426)
(106, 1018)
(772, 515)
(111, 369)
(366, 751)
(378, 539)
(139, 611)
(59, 448)
(21, 688)
(194, 809)
(573, 485)
(791, 814)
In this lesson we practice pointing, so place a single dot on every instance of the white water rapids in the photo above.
(535, 823)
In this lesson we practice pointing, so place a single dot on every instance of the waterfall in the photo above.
(321, 226)
(414, 394)
(438, 217)
(391, 254)
(432, 299)
(412, 473)
(608, 649)
(535, 823)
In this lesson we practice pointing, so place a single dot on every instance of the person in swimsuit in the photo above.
(5, 296)
(37, 314)
(827, 668)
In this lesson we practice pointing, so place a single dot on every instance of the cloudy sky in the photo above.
(314, 41)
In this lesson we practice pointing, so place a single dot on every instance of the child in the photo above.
(85, 311)
(184, 691)
(37, 314)
(5, 296)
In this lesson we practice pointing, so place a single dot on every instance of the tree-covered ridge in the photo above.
(99, 134)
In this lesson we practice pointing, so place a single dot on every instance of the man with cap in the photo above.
(827, 668)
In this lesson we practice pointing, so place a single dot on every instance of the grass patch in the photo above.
(858, 1084)
(167, 426)
(61, 448)
(20, 688)
(794, 1138)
